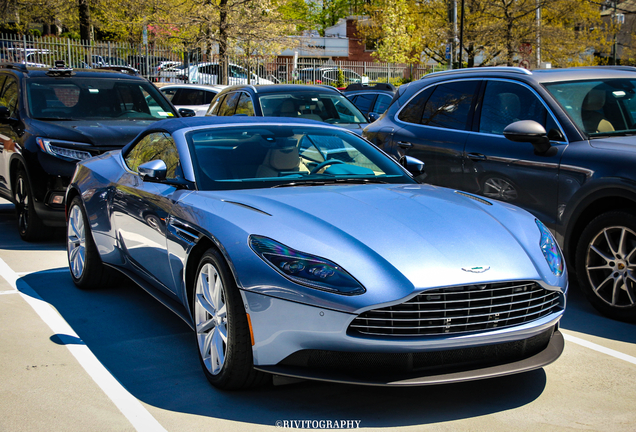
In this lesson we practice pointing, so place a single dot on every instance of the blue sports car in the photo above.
(299, 249)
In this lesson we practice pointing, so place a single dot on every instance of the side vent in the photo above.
(246, 206)
(473, 197)
(183, 230)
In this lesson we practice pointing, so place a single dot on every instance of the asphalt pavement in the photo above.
(116, 360)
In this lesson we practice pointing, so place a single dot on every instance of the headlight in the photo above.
(63, 149)
(550, 249)
(305, 269)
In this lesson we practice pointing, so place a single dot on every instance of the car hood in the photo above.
(423, 235)
(100, 133)
(353, 127)
(619, 143)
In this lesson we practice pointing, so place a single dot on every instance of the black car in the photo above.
(560, 143)
(372, 100)
(320, 103)
(52, 118)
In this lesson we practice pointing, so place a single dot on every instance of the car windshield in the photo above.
(328, 107)
(259, 156)
(599, 107)
(95, 99)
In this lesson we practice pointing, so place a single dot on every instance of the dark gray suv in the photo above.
(559, 143)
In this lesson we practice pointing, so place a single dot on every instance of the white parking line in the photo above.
(130, 406)
(599, 348)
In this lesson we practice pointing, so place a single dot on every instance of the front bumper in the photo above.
(302, 341)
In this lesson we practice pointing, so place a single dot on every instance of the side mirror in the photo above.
(528, 131)
(373, 116)
(187, 112)
(155, 170)
(412, 165)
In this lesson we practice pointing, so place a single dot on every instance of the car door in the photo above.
(513, 171)
(141, 208)
(435, 125)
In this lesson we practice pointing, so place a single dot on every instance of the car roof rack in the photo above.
(10, 65)
(513, 69)
(377, 86)
(60, 69)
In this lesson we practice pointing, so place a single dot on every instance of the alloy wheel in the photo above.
(500, 189)
(76, 241)
(210, 314)
(611, 266)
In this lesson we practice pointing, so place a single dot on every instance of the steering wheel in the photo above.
(324, 164)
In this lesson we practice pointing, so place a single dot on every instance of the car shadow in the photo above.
(152, 353)
(10, 239)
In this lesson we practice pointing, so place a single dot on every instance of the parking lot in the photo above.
(116, 360)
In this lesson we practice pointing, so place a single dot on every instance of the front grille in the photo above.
(461, 309)
(395, 364)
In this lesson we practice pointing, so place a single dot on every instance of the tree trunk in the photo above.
(223, 66)
(84, 20)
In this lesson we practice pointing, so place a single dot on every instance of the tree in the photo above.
(494, 30)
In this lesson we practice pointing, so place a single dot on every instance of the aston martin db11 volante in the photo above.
(299, 249)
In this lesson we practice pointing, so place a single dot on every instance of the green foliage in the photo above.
(341, 81)
(12, 28)
(494, 30)
(71, 35)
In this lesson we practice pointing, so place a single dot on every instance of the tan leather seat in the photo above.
(279, 160)
(592, 112)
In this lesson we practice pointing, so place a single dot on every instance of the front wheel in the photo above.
(222, 331)
(84, 262)
(606, 264)
(30, 225)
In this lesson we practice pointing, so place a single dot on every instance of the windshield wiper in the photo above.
(331, 182)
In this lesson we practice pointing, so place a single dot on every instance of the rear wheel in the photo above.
(606, 264)
(30, 225)
(222, 331)
(84, 262)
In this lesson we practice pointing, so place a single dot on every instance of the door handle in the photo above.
(405, 144)
(476, 156)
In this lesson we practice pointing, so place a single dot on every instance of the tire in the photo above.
(30, 225)
(606, 264)
(221, 327)
(84, 262)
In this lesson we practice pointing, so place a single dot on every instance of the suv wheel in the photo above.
(606, 264)
(30, 226)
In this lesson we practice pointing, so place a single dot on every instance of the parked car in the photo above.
(329, 75)
(208, 73)
(50, 119)
(193, 96)
(320, 103)
(32, 57)
(146, 64)
(558, 143)
(297, 248)
(372, 100)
